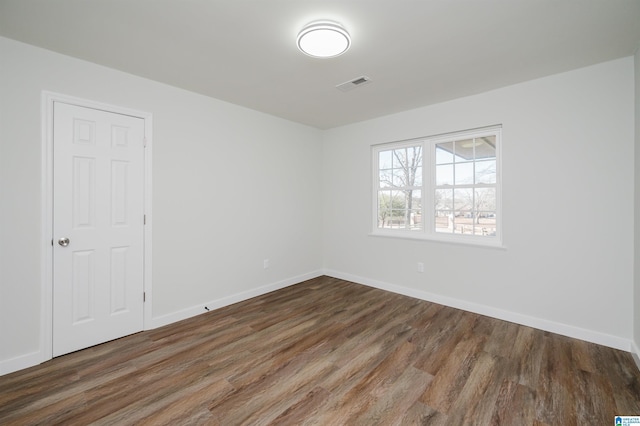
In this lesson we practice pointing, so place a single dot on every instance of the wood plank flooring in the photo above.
(329, 352)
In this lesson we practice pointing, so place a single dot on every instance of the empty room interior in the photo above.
(209, 216)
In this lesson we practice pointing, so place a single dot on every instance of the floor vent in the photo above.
(350, 85)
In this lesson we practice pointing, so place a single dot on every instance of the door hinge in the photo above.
(144, 142)
(144, 296)
(144, 219)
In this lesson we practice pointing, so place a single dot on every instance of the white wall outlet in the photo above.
(266, 264)
(420, 267)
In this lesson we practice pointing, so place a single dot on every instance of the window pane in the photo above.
(416, 209)
(414, 157)
(399, 178)
(444, 199)
(444, 175)
(444, 153)
(402, 166)
(485, 147)
(384, 208)
(416, 220)
(486, 171)
(464, 150)
(384, 160)
(398, 200)
(485, 199)
(385, 178)
(399, 158)
(398, 210)
(463, 222)
(444, 221)
(486, 224)
(463, 199)
(391, 209)
(416, 199)
(417, 177)
(464, 173)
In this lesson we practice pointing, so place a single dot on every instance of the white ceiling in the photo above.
(416, 52)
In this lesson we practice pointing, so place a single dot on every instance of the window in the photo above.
(444, 187)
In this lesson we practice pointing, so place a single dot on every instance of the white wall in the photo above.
(568, 172)
(231, 187)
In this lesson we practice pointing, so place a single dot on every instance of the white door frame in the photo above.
(46, 296)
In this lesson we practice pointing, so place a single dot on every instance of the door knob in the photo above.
(63, 241)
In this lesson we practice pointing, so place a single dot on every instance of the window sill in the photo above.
(464, 241)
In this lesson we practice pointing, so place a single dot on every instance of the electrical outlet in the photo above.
(266, 264)
(420, 267)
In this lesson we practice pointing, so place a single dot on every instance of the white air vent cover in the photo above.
(350, 85)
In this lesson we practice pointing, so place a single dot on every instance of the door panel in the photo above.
(83, 284)
(98, 202)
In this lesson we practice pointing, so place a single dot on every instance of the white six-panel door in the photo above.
(98, 229)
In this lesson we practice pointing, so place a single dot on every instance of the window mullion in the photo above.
(428, 183)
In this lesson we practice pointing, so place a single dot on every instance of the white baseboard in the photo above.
(20, 362)
(539, 323)
(34, 358)
(635, 353)
(229, 300)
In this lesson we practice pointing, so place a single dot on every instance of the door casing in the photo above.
(46, 311)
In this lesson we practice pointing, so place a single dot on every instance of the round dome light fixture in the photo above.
(323, 39)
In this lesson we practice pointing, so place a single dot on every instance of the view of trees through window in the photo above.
(400, 194)
(465, 186)
(457, 186)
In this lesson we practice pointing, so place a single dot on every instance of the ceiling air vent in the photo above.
(350, 85)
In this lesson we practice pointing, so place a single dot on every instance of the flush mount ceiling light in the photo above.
(323, 39)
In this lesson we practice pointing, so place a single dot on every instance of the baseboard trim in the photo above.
(20, 362)
(539, 323)
(229, 300)
(34, 358)
(635, 353)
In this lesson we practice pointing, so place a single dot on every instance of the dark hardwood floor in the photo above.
(330, 352)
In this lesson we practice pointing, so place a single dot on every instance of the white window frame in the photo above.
(428, 187)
